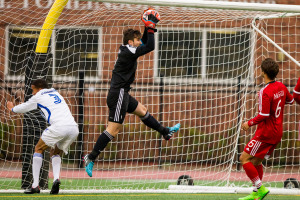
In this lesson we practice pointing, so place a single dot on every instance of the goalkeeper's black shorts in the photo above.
(119, 102)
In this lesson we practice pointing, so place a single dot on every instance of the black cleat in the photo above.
(32, 190)
(55, 187)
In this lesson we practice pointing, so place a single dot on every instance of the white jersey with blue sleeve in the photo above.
(53, 107)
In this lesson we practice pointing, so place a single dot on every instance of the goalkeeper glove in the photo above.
(150, 18)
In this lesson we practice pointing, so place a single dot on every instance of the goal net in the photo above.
(204, 73)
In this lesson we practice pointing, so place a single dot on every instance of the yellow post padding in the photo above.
(51, 19)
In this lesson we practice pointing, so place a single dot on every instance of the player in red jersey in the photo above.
(272, 99)
(296, 93)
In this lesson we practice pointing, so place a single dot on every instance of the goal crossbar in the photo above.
(212, 5)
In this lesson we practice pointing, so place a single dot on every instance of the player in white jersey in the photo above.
(61, 133)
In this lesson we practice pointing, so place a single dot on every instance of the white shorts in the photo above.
(61, 136)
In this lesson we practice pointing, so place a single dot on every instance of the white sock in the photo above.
(36, 167)
(258, 183)
(56, 161)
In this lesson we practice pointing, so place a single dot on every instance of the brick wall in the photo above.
(206, 116)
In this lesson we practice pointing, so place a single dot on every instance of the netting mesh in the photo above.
(203, 73)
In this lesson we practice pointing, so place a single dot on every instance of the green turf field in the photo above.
(138, 197)
(83, 184)
(121, 184)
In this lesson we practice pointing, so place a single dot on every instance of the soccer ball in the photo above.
(150, 18)
(185, 180)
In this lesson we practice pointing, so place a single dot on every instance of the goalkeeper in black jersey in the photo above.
(119, 100)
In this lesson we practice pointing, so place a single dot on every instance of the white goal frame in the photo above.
(211, 4)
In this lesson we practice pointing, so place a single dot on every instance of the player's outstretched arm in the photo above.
(144, 37)
(27, 106)
(150, 18)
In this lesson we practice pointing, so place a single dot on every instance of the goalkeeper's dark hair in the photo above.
(130, 34)
(40, 83)
(270, 67)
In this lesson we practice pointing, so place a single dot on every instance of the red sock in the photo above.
(252, 174)
(260, 171)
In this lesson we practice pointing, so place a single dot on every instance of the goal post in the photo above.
(203, 73)
(50, 21)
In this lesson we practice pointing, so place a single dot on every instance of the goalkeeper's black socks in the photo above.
(151, 122)
(101, 143)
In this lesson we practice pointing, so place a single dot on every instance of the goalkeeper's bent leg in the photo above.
(101, 143)
(151, 122)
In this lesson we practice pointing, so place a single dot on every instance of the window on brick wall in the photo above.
(203, 55)
(180, 53)
(73, 49)
(20, 41)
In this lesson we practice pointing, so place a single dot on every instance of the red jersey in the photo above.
(296, 93)
(272, 99)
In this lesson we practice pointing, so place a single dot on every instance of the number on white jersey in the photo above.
(56, 98)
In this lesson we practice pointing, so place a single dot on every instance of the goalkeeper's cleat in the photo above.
(89, 169)
(55, 187)
(172, 130)
(262, 193)
(89, 164)
(32, 190)
(252, 196)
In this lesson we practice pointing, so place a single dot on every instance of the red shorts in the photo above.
(259, 149)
